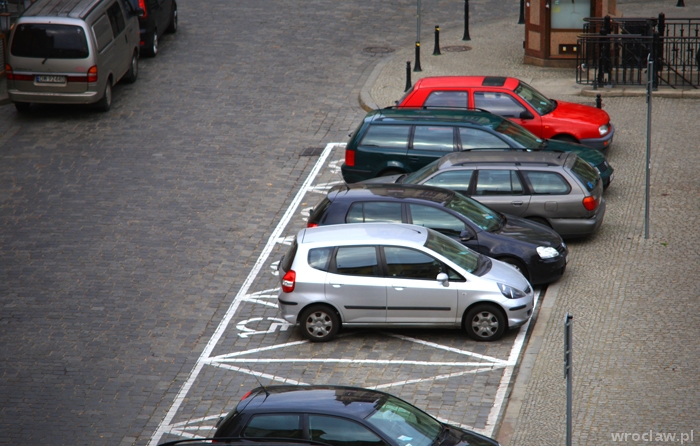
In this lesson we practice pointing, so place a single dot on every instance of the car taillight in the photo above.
(142, 5)
(349, 158)
(288, 281)
(590, 203)
(312, 225)
(11, 76)
(92, 74)
(246, 395)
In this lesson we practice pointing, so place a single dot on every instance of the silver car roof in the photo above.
(364, 233)
(505, 157)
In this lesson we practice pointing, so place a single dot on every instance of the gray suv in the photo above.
(379, 274)
(558, 190)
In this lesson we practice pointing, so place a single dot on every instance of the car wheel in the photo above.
(390, 172)
(517, 264)
(105, 103)
(152, 49)
(319, 323)
(565, 138)
(485, 323)
(23, 107)
(133, 72)
(172, 28)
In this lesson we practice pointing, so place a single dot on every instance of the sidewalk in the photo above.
(635, 323)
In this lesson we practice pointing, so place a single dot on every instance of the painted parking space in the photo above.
(459, 381)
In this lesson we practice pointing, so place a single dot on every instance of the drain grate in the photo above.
(456, 48)
(312, 151)
(378, 49)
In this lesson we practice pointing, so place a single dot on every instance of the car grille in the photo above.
(602, 167)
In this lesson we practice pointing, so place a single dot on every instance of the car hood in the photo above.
(570, 111)
(591, 156)
(529, 232)
(461, 437)
(506, 274)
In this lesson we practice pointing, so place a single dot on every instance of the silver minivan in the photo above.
(397, 275)
(72, 52)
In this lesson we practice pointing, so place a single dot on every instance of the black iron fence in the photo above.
(615, 52)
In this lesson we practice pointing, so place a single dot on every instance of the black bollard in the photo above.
(417, 66)
(466, 21)
(408, 76)
(598, 101)
(436, 50)
(680, 4)
(521, 20)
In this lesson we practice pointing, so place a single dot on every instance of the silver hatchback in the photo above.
(396, 275)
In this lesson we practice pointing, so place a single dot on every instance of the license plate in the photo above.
(50, 79)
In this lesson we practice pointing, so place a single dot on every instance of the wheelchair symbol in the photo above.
(277, 323)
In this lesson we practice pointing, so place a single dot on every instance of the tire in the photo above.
(105, 103)
(172, 27)
(390, 172)
(319, 323)
(565, 138)
(517, 264)
(152, 49)
(23, 107)
(133, 72)
(485, 322)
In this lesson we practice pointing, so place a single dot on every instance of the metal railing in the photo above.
(615, 51)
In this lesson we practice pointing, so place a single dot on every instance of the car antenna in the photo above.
(261, 385)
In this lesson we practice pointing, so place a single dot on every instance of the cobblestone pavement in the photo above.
(126, 236)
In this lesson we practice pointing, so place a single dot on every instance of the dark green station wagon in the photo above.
(393, 141)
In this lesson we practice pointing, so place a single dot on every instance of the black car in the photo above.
(244, 441)
(160, 17)
(340, 416)
(537, 251)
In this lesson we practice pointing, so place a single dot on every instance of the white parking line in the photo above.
(271, 242)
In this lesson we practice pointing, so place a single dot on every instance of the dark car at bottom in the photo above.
(535, 250)
(340, 416)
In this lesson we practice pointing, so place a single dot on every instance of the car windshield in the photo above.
(453, 251)
(518, 134)
(405, 424)
(419, 175)
(485, 218)
(536, 99)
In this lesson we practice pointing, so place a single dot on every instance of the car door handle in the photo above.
(335, 285)
(398, 288)
(516, 203)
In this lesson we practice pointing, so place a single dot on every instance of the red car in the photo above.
(511, 98)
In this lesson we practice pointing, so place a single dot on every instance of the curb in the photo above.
(365, 99)
(509, 422)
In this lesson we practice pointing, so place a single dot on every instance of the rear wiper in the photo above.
(441, 438)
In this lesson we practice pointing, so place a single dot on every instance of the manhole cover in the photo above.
(312, 151)
(456, 48)
(378, 49)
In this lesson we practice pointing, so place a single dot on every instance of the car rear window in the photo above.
(586, 174)
(319, 258)
(49, 41)
(288, 258)
(390, 136)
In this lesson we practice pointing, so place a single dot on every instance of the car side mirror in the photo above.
(526, 115)
(465, 235)
(443, 279)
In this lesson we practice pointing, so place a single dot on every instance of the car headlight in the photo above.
(547, 252)
(510, 292)
(603, 129)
